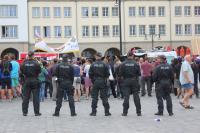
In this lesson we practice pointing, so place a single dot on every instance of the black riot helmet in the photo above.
(30, 54)
(162, 58)
(65, 57)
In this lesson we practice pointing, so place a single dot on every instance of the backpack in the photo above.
(6, 68)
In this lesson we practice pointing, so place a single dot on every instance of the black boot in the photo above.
(171, 114)
(38, 114)
(124, 114)
(107, 114)
(93, 114)
(159, 113)
(56, 114)
(73, 114)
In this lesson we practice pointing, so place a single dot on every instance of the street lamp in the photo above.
(118, 3)
(152, 38)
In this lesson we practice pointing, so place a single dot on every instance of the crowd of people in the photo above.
(184, 79)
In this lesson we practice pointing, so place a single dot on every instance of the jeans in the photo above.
(146, 81)
(42, 91)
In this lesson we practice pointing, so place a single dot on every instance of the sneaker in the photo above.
(24, 114)
(158, 113)
(189, 107)
(39, 114)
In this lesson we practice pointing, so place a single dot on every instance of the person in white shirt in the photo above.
(88, 82)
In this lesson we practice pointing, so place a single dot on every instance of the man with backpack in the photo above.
(6, 68)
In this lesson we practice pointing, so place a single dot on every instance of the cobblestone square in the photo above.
(184, 121)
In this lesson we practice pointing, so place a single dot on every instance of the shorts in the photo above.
(15, 82)
(88, 82)
(6, 83)
(187, 86)
(177, 84)
(77, 83)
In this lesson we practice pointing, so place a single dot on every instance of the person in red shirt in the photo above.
(146, 69)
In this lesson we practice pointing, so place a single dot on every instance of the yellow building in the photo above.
(95, 23)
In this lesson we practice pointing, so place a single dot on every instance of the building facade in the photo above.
(95, 23)
(13, 26)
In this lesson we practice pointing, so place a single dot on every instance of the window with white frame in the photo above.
(46, 31)
(105, 11)
(8, 11)
(9, 31)
(152, 11)
(178, 28)
(162, 29)
(187, 10)
(142, 30)
(57, 31)
(115, 30)
(197, 10)
(36, 12)
(95, 11)
(132, 11)
(152, 29)
(188, 29)
(132, 30)
(106, 30)
(67, 12)
(178, 10)
(161, 11)
(57, 12)
(85, 31)
(142, 11)
(68, 31)
(46, 12)
(197, 29)
(85, 12)
(95, 31)
(36, 31)
(115, 11)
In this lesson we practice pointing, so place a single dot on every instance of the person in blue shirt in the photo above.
(15, 76)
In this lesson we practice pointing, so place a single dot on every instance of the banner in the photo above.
(156, 54)
(70, 47)
(47, 56)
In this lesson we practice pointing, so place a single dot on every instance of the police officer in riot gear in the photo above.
(163, 76)
(65, 74)
(129, 71)
(31, 69)
(99, 73)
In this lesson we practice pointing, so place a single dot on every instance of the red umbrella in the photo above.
(188, 51)
(182, 51)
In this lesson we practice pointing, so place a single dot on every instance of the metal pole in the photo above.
(120, 26)
(29, 45)
(152, 39)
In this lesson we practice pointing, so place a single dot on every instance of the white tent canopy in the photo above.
(69, 47)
